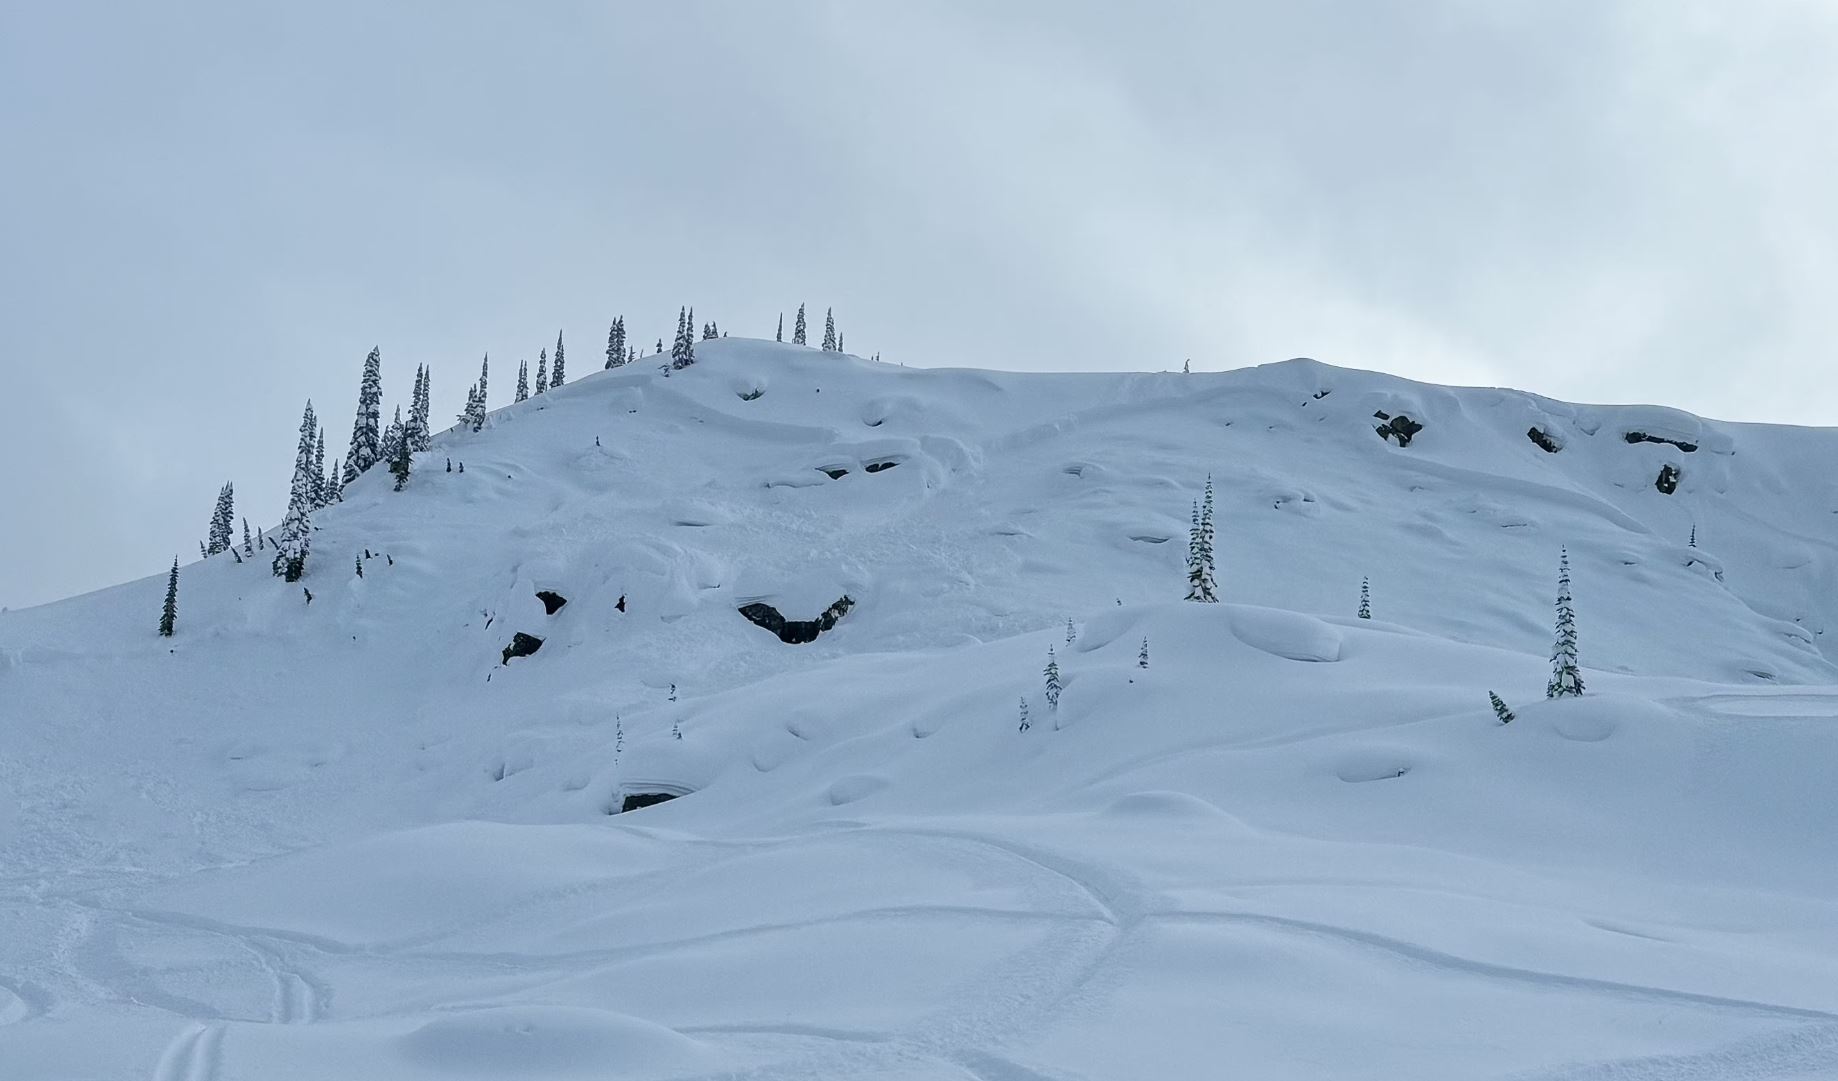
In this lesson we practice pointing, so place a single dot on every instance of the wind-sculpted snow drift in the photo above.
(347, 840)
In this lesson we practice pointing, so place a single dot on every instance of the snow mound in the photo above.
(1290, 635)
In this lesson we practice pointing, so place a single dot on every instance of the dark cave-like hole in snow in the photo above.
(833, 472)
(1643, 437)
(1543, 439)
(552, 601)
(636, 800)
(1667, 482)
(876, 467)
(795, 632)
(522, 645)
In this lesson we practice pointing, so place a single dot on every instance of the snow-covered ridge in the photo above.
(345, 840)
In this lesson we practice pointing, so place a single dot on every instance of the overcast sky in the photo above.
(210, 213)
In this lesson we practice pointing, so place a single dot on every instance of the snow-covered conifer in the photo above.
(1051, 672)
(415, 429)
(1499, 708)
(1566, 676)
(1072, 633)
(321, 495)
(366, 430)
(334, 488)
(1142, 656)
(1693, 542)
(1365, 598)
(559, 374)
(290, 549)
(399, 460)
(218, 535)
(394, 437)
(676, 729)
(360, 564)
(779, 334)
(797, 328)
(169, 613)
(523, 381)
(829, 330)
(484, 382)
(248, 545)
(542, 372)
(1024, 722)
(615, 344)
(1200, 584)
(839, 347)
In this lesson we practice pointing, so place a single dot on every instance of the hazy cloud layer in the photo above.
(211, 213)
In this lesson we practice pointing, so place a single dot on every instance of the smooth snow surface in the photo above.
(342, 841)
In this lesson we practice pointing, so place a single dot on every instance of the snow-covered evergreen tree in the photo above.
(559, 373)
(1499, 709)
(1142, 656)
(523, 381)
(1200, 584)
(797, 328)
(829, 330)
(334, 488)
(1365, 598)
(218, 536)
(320, 494)
(395, 437)
(290, 548)
(839, 347)
(683, 354)
(399, 461)
(1072, 633)
(676, 728)
(708, 332)
(169, 613)
(1051, 672)
(1693, 542)
(360, 564)
(484, 382)
(248, 545)
(1566, 676)
(366, 430)
(779, 334)
(415, 429)
(542, 372)
(1024, 722)
(615, 344)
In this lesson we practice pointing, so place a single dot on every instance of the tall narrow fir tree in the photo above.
(169, 613)
(797, 328)
(366, 430)
(559, 374)
(1566, 675)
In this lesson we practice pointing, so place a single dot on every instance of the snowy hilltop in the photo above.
(764, 711)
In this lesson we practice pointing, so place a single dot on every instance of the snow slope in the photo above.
(342, 840)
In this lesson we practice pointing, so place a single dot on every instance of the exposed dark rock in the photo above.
(1401, 427)
(522, 645)
(1545, 442)
(1320, 394)
(836, 473)
(876, 467)
(551, 600)
(1643, 437)
(795, 631)
(636, 800)
(1668, 479)
(751, 394)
